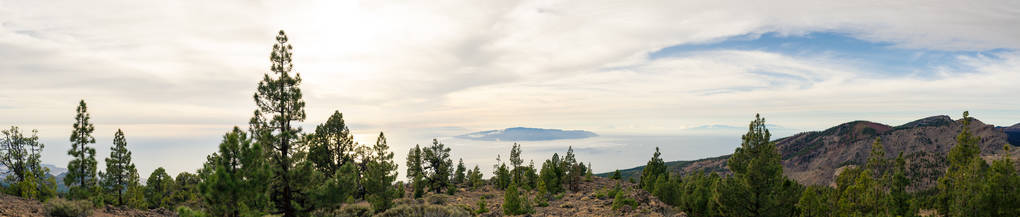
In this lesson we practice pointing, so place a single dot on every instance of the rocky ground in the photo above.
(11, 206)
(581, 203)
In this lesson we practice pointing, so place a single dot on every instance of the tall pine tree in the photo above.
(118, 168)
(379, 176)
(280, 101)
(415, 169)
(960, 188)
(81, 175)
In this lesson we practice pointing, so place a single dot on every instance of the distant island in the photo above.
(527, 134)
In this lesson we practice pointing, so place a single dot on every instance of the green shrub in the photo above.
(60, 207)
(351, 210)
(407, 201)
(607, 193)
(184, 211)
(514, 203)
(622, 200)
(356, 211)
(482, 207)
(424, 211)
(436, 199)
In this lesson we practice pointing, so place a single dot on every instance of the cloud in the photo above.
(419, 68)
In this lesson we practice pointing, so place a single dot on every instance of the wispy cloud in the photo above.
(441, 68)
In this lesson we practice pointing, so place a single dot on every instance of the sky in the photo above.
(681, 75)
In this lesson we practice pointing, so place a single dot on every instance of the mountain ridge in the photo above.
(813, 157)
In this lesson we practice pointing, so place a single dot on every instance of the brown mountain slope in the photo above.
(812, 158)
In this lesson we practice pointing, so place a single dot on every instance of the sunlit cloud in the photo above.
(179, 74)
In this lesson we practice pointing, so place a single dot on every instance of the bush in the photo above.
(424, 210)
(607, 193)
(350, 210)
(622, 200)
(482, 207)
(60, 207)
(184, 211)
(514, 203)
(436, 199)
(407, 201)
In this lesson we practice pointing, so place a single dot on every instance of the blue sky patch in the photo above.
(883, 58)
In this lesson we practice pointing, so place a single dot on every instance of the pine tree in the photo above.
(186, 189)
(438, 166)
(256, 166)
(337, 188)
(223, 191)
(542, 197)
(959, 189)
(81, 175)
(419, 186)
(516, 173)
(589, 173)
(158, 188)
(757, 187)
(135, 194)
(655, 168)
(460, 176)
(698, 193)
(664, 189)
(414, 164)
(616, 175)
(279, 99)
(379, 176)
(571, 170)
(332, 145)
(859, 194)
(900, 199)
(1003, 190)
(514, 203)
(530, 175)
(501, 174)
(20, 156)
(814, 202)
(118, 168)
(475, 178)
(876, 160)
(401, 191)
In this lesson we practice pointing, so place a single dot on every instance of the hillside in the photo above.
(20, 207)
(1013, 134)
(812, 158)
(585, 202)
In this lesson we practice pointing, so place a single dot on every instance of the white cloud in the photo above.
(410, 67)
